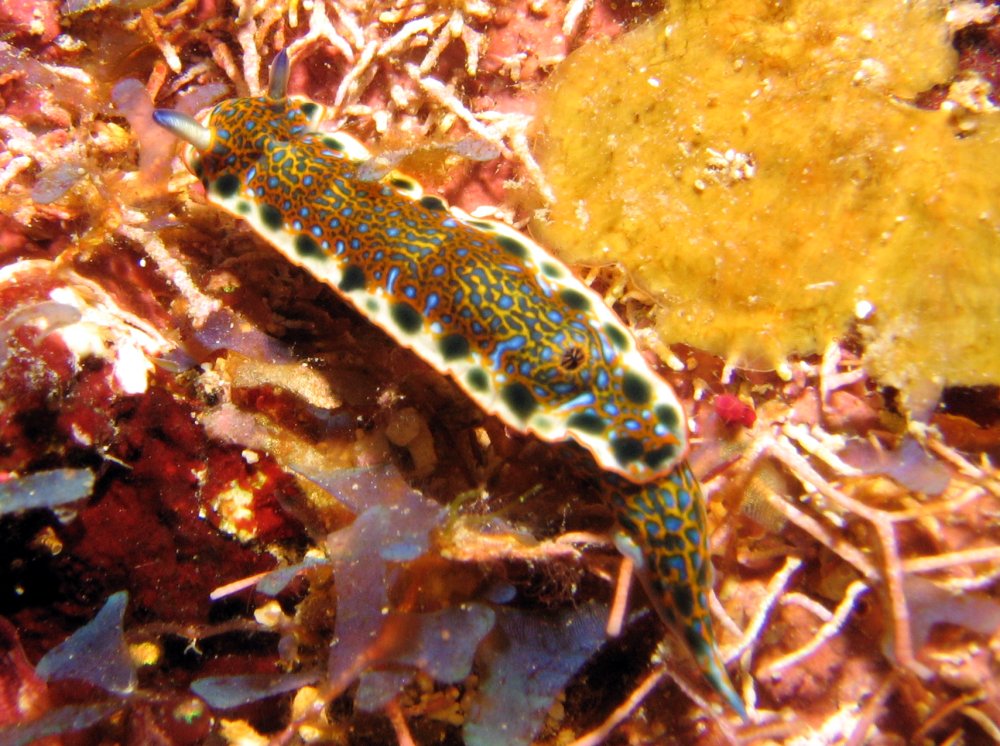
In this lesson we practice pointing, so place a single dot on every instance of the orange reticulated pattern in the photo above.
(510, 323)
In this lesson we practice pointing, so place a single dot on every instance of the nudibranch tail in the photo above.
(666, 540)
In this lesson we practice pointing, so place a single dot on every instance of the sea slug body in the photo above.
(527, 341)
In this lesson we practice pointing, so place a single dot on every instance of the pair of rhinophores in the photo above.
(481, 302)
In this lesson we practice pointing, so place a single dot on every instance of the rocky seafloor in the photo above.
(235, 511)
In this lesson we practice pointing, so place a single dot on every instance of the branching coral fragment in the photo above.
(830, 628)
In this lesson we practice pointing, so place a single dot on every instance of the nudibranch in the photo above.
(482, 303)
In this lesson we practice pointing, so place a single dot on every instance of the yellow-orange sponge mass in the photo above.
(760, 169)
